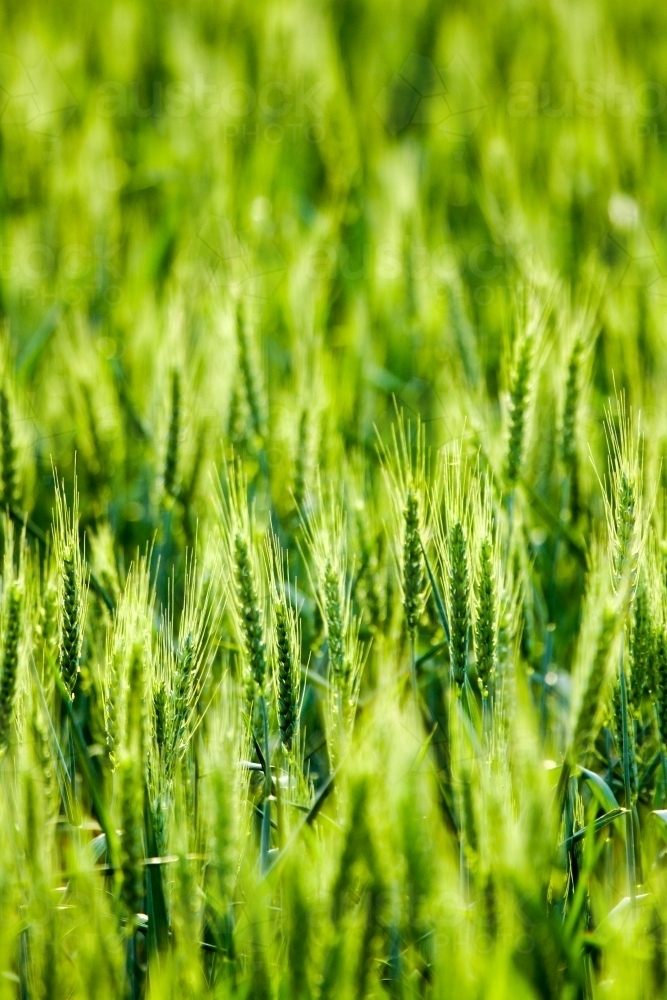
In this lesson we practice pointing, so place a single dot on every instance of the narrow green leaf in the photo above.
(158, 920)
(600, 789)
(661, 816)
(598, 825)
(437, 596)
(87, 771)
(430, 653)
(649, 770)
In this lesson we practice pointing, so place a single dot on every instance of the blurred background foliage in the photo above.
(260, 229)
(374, 178)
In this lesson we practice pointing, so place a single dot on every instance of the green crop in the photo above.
(333, 500)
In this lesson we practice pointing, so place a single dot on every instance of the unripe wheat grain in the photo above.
(485, 624)
(9, 475)
(335, 629)
(519, 393)
(10, 659)
(569, 451)
(250, 611)
(287, 695)
(70, 631)
(459, 599)
(173, 438)
(413, 565)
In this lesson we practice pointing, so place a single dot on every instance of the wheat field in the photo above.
(333, 500)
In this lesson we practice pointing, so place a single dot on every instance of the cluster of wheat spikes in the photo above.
(391, 721)
(333, 500)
